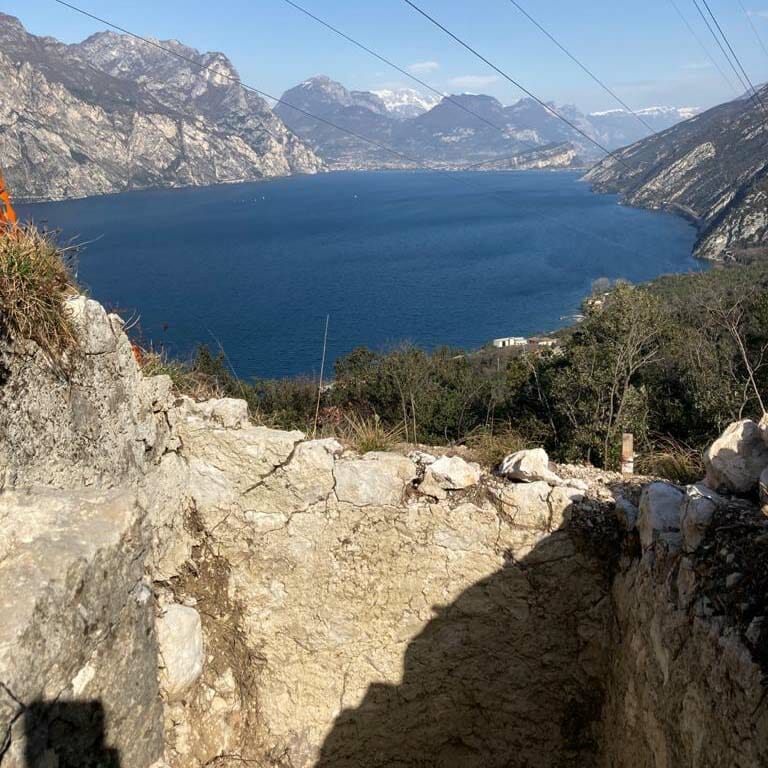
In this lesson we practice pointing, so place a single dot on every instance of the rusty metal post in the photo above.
(627, 454)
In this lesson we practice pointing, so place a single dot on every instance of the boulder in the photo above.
(659, 514)
(449, 473)
(736, 459)
(180, 642)
(375, 479)
(696, 514)
(529, 466)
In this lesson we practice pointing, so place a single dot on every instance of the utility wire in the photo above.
(405, 72)
(238, 81)
(516, 83)
(720, 46)
(704, 48)
(582, 66)
(754, 28)
(264, 94)
(730, 48)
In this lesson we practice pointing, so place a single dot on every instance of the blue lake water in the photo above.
(389, 256)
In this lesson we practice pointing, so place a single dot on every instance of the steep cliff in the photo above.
(712, 168)
(179, 585)
(114, 113)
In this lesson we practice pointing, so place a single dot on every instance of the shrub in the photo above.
(34, 282)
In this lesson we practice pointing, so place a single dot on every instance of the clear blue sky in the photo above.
(640, 47)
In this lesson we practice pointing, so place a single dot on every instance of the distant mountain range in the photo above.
(113, 113)
(712, 168)
(438, 132)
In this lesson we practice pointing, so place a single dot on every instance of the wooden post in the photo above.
(627, 454)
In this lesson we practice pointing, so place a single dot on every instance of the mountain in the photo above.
(440, 133)
(406, 102)
(445, 135)
(114, 113)
(618, 127)
(712, 168)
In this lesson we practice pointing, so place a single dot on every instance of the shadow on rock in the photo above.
(510, 674)
(67, 734)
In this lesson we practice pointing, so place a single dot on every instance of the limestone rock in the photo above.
(449, 474)
(763, 483)
(696, 514)
(422, 458)
(560, 501)
(180, 641)
(376, 479)
(228, 412)
(76, 632)
(736, 459)
(627, 513)
(98, 424)
(659, 513)
(120, 115)
(529, 466)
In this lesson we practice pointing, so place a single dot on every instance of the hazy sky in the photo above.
(641, 47)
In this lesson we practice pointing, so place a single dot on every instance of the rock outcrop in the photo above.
(711, 169)
(178, 584)
(115, 113)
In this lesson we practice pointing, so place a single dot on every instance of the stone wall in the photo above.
(371, 624)
(177, 583)
(687, 683)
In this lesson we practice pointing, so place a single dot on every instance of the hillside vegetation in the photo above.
(673, 362)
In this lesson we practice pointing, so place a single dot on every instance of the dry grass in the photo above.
(198, 386)
(671, 460)
(491, 448)
(367, 435)
(34, 281)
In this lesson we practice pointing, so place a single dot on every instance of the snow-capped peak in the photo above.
(406, 102)
(683, 113)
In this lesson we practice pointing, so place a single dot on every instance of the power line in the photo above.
(582, 66)
(264, 94)
(730, 48)
(405, 72)
(704, 48)
(516, 83)
(754, 28)
(238, 81)
(720, 46)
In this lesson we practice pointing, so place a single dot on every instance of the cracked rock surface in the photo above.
(316, 607)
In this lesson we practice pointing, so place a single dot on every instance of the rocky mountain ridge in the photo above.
(438, 132)
(114, 113)
(182, 588)
(712, 169)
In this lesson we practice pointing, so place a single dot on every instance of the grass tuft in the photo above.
(370, 434)
(672, 460)
(186, 379)
(34, 282)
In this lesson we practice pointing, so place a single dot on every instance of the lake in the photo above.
(391, 256)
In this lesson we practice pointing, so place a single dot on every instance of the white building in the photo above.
(510, 341)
